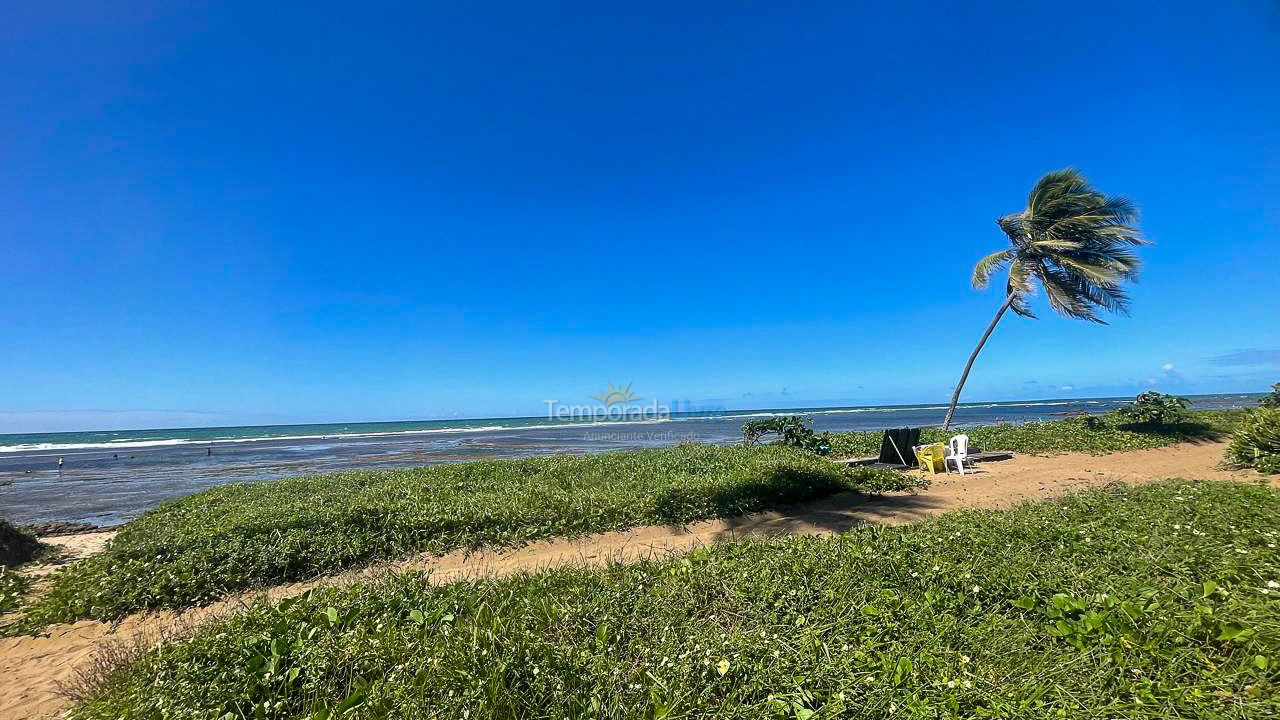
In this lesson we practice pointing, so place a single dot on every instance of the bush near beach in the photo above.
(1271, 399)
(17, 546)
(1155, 408)
(236, 536)
(1256, 442)
(1149, 602)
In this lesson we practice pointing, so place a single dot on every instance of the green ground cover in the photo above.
(1094, 434)
(13, 587)
(235, 536)
(17, 546)
(1152, 602)
(1256, 441)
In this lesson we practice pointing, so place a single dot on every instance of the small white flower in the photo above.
(1273, 584)
(977, 589)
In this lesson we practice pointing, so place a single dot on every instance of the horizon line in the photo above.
(798, 408)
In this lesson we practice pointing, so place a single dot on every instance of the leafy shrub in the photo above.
(16, 545)
(1156, 408)
(791, 430)
(1151, 602)
(230, 537)
(1256, 442)
(1272, 400)
(13, 587)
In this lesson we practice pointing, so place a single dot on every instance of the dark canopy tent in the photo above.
(896, 446)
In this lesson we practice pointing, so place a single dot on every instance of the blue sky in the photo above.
(245, 212)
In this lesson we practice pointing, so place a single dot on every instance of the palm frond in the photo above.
(1054, 187)
(988, 265)
(1076, 242)
(1064, 294)
(1093, 273)
(1020, 288)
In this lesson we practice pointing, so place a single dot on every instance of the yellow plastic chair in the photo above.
(932, 458)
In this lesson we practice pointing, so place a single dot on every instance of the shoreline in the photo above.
(113, 487)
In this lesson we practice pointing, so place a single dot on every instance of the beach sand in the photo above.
(33, 669)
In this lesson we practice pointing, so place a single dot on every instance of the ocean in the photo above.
(110, 477)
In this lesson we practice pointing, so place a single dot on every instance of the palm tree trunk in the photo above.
(955, 397)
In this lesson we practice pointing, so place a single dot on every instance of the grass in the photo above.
(1097, 435)
(236, 536)
(1153, 602)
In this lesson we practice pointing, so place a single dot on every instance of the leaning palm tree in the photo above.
(1072, 241)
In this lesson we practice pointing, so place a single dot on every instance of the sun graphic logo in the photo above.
(614, 395)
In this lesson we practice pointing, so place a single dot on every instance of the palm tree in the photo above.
(1074, 242)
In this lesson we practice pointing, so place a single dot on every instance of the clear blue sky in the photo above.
(247, 212)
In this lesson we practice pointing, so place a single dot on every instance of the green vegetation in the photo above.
(1272, 399)
(1152, 602)
(1256, 441)
(13, 588)
(1156, 408)
(16, 545)
(792, 430)
(1073, 241)
(1083, 433)
(235, 536)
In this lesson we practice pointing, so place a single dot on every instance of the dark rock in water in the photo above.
(63, 528)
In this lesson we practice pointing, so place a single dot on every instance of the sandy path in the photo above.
(33, 668)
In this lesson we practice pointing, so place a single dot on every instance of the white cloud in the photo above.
(1167, 367)
(1067, 387)
(1253, 356)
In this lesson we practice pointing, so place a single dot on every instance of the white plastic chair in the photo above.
(957, 452)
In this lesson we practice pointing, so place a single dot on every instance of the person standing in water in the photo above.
(59, 464)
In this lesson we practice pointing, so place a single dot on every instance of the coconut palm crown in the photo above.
(1072, 241)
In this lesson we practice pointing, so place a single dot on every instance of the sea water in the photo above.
(109, 477)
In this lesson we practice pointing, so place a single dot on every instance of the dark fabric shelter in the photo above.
(896, 446)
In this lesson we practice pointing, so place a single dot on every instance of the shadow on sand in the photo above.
(834, 514)
(1189, 432)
